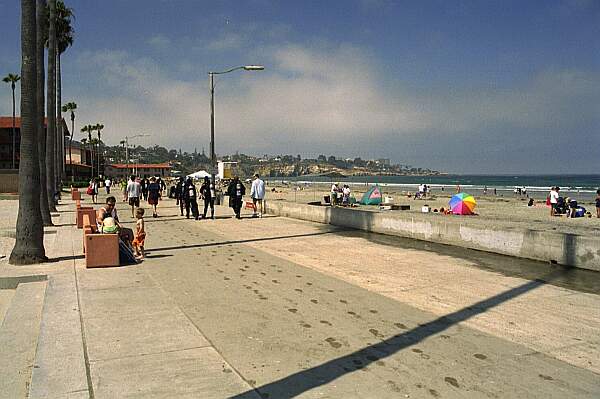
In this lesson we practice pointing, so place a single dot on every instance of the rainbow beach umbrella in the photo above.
(462, 204)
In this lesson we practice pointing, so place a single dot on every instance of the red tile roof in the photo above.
(6, 122)
(141, 166)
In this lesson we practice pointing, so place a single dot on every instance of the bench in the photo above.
(75, 194)
(84, 210)
(101, 250)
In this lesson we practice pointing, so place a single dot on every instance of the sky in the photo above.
(480, 86)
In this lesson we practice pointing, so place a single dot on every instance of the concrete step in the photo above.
(5, 299)
(18, 339)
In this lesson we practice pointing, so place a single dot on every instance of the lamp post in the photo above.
(127, 148)
(212, 111)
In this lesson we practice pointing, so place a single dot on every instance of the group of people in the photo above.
(340, 195)
(568, 206)
(186, 196)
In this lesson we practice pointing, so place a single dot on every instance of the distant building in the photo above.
(6, 140)
(123, 171)
(383, 161)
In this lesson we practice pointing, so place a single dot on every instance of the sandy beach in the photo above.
(508, 209)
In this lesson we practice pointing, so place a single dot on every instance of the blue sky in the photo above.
(461, 86)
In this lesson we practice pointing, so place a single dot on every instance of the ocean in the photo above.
(581, 187)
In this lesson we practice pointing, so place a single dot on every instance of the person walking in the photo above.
(553, 200)
(598, 203)
(93, 190)
(207, 191)
(107, 185)
(335, 188)
(154, 195)
(236, 191)
(134, 190)
(257, 192)
(191, 199)
(179, 197)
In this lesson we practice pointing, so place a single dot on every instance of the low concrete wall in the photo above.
(562, 248)
(9, 181)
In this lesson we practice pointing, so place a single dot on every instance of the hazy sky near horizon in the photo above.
(487, 86)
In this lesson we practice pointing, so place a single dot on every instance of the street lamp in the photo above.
(127, 148)
(212, 111)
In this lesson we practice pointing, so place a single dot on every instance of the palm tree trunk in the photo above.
(71, 147)
(60, 153)
(41, 132)
(51, 109)
(29, 245)
(14, 130)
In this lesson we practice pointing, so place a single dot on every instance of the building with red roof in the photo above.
(123, 171)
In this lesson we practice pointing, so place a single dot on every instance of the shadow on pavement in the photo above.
(216, 244)
(305, 380)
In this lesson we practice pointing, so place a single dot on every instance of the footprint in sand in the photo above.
(400, 325)
(292, 310)
(332, 341)
(298, 290)
(226, 278)
(373, 311)
(308, 283)
(325, 322)
(452, 381)
(375, 333)
(275, 281)
(480, 356)
(344, 301)
(314, 301)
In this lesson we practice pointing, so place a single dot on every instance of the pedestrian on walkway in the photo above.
(134, 190)
(257, 192)
(191, 199)
(236, 191)
(154, 195)
(107, 185)
(140, 234)
(144, 183)
(207, 190)
(93, 189)
(179, 191)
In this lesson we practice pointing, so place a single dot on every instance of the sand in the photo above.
(507, 209)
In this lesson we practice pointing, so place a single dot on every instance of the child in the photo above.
(140, 234)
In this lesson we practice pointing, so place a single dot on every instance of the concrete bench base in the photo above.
(101, 250)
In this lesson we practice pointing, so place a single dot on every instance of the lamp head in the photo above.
(254, 67)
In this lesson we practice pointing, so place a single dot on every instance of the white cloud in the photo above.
(159, 41)
(315, 97)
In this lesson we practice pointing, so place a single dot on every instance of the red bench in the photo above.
(101, 250)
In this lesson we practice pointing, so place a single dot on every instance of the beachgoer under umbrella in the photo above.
(153, 195)
(236, 191)
(207, 190)
(190, 196)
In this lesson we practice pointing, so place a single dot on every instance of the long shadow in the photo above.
(305, 380)
(216, 244)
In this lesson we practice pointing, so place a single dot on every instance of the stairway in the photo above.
(21, 306)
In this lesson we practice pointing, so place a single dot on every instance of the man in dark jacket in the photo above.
(179, 194)
(236, 191)
(190, 196)
(207, 190)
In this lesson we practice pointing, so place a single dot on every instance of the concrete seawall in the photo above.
(551, 246)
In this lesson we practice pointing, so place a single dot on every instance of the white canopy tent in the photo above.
(201, 174)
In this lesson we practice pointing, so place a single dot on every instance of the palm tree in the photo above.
(98, 127)
(51, 108)
(29, 244)
(42, 27)
(71, 107)
(64, 37)
(89, 129)
(123, 142)
(13, 79)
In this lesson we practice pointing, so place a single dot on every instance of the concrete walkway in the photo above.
(278, 308)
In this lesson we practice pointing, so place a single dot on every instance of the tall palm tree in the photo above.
(13, 79)
(64, 38)
(29, 244)
(42, 27)
(123, 142)
(51, 108)
(98, 127)
(71, 107)
(89, 129)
